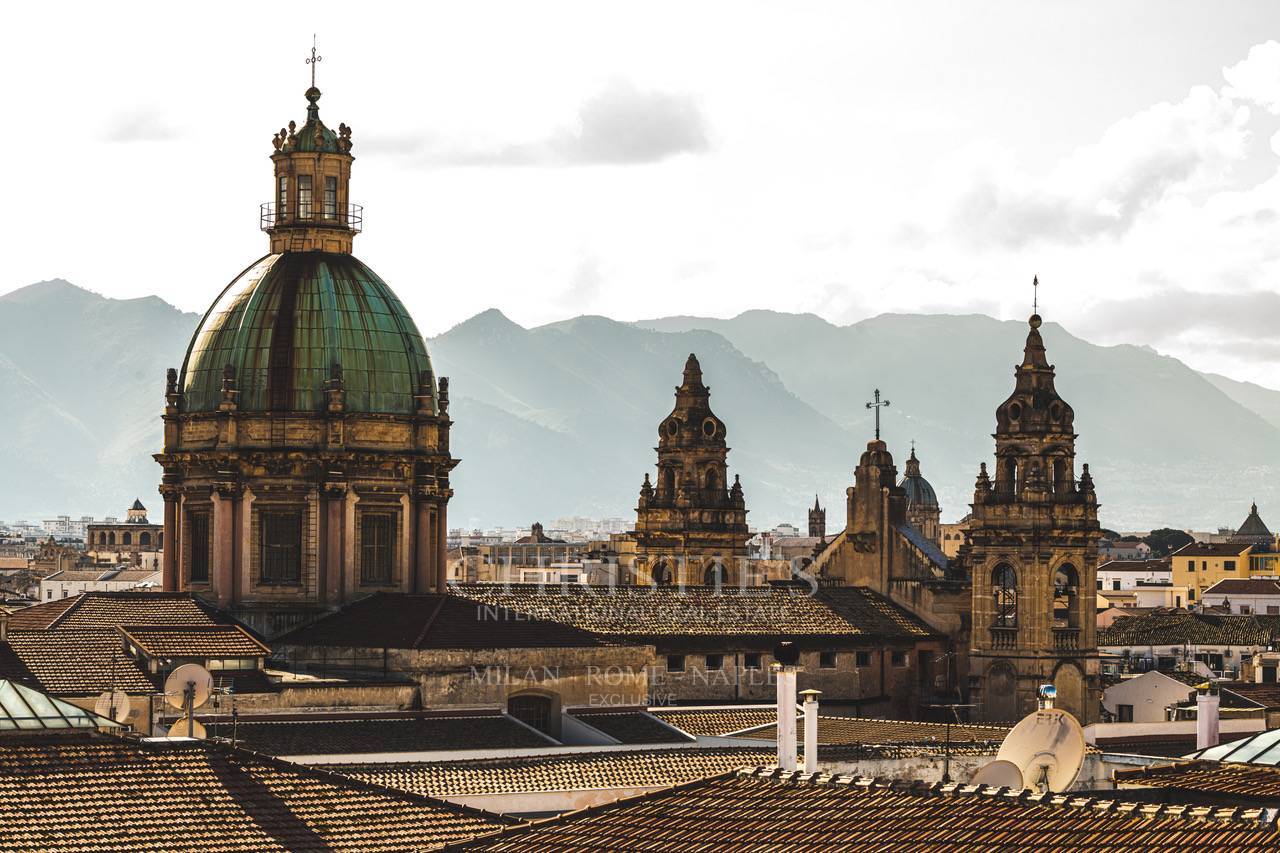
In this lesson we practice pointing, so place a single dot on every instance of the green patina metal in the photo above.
(285, 322)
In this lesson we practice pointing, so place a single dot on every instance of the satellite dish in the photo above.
(999, 774)
(1048, 747)
(113, 706)
(189, 675)
(180, 727)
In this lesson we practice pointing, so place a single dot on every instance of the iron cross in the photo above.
(1035, 294)
(313, 60)
(877, 406)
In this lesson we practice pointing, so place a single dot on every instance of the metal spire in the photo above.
(313, 60)
(877, 405)
(1035, 294)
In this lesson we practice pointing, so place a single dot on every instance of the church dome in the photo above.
(920, 495)
(292, 322)
(1254, 529)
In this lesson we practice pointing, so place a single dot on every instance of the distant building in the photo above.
(1129, 574)
(65, 527)
(1122, 549)
(69, 582)
(817, 520)
(1143, 699)
(135, 540)
(1260, 596)
(923, 510)
(1200, 565)
(954, 534)
(1254, 532)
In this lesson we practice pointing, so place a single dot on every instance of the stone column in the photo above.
(332, 580)
(422, 579)
(171, 549)
(223, 574)
(441, 555)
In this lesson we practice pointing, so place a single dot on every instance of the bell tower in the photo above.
(691, 523)
(1033, 552)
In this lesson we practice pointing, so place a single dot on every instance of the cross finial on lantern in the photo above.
(877, 405)
(1035, 294)
(313, 59)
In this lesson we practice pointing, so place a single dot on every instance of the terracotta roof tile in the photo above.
(774, 811)
(560, 772)
(1244, 586)
(1174, 629)
(860, 730)
(1211, 549)
(93, 792)
(78, 662)
(1250, 782)
(630, 726)
(207, 641)
(716, 722)
(111, 609)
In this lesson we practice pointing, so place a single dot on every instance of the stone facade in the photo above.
(691, 525)
(817, 520)
(306, 440)
(1032, 554)
(126, 541)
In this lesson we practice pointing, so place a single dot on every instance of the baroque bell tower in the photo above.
(691, 524)
(1032, 552)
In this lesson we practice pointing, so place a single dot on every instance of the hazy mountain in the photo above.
(562, 419)
(82, 379)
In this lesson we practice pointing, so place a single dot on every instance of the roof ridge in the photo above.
(431, 621)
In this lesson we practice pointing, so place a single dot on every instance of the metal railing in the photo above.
(350, 216)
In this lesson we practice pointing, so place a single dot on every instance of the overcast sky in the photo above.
(648, 159)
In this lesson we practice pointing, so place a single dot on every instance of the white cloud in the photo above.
(1256, 78)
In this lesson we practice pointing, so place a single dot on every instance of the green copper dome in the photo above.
(291, 322)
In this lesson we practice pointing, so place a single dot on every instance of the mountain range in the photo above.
(562, 419)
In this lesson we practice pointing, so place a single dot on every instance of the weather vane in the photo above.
(313, 60)
(877, 405)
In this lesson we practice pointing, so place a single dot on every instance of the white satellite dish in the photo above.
(999, 774)
(184, 726)
(114, 705)
(188, 686)
(1048, 747)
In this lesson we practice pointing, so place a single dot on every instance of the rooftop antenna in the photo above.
(313, 59)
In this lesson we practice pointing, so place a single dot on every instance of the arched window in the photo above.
(662, 573)
(111, 538)
(668, 481)
(712, 480)
(1059, 474)
(126, 538)
(1066, 589)
(715, 574)
(144, 539)
(1004, 590)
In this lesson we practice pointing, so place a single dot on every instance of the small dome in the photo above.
(1254, 529)
(920, 495)
(291, 322)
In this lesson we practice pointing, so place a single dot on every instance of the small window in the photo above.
(1124, 713)
(1191, 595)
(377, 530)
(899, 658)
(281, 547)
(330, 197)
(282, 199)
(304, 196)
(675, 663)
(1191, 565)
(715, 662)
(1273, 610)
(1245, 610)
(863, 658)
(827, 660)
(198, 528)
(1115, 585)
(751, 660)
(1228, 565)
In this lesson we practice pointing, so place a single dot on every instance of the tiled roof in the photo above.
(79, 662)
(1174, 629)
(1248, 782)
(1211, 549)
(1143, 566)
(1244, 586)
(348, 734)
(630, 726)
(858, 730)
(110, 609)
(765, 810)
(716, 722)
(199, 641)
(561, 771)
(1265, 695)
(925, 545)
(397, 621)
(77, 792)
(648, 612)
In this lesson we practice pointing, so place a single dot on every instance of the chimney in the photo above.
(786, 656)
(1206, 716)
(4, 625)
(810, 729)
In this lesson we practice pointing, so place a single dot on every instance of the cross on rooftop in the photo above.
(1035, 294)
(877, 405)
(313, 60)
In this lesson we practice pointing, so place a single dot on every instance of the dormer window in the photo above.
(304, 196)
(330, 197)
